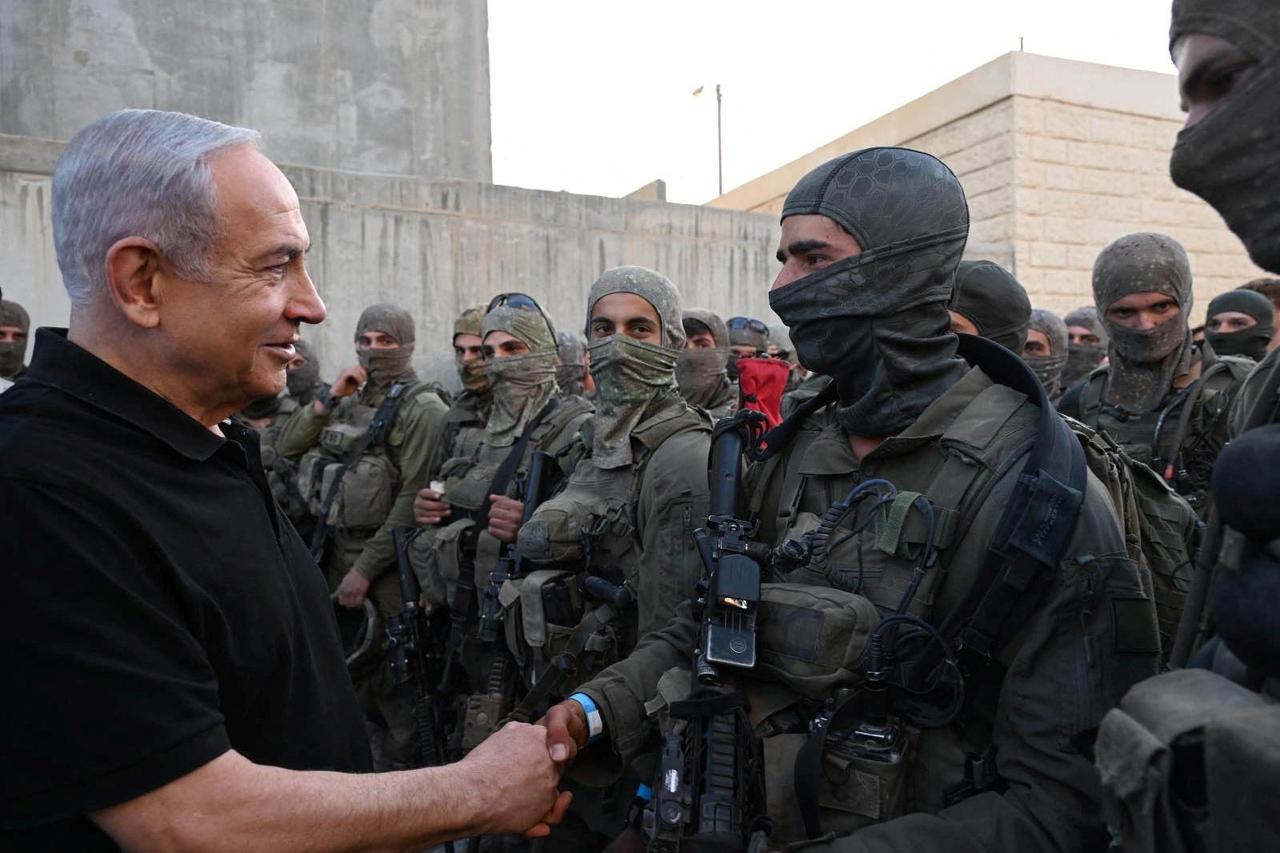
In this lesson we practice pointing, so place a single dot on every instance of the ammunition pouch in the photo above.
(365, 494)
(443, 560)
(813, 639)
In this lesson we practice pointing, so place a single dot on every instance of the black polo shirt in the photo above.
(159, 609)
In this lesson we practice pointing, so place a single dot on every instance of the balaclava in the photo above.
(471, 373)
(1048, 368)
(877, 322)
(263, 407)
(522, 384)
(741, 335)
(1251, 342)
(988, 296)
(1144, 363)
(701, 373)
(304, 379)
(1231, 157)
(573, 362)
(632, 378)
(385, 366)
(13, 353)
(1083, 358)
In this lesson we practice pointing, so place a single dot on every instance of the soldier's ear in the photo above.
(134, 280)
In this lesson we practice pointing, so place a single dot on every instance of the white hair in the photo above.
(137, 173)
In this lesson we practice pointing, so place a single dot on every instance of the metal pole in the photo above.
(719, 146)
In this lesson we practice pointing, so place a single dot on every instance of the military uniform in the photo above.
(374, 497)
(1006, 768)
(1178, 432)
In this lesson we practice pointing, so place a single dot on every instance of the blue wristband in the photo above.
(595, 722)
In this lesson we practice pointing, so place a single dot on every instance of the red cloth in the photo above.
(761, 382)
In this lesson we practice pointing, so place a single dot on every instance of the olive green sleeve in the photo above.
(673, 502)
(418, 429)
(300, 433)
(1092, 636)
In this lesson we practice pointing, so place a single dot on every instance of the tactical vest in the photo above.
(457, 547)
(591, 529)
(955, 475)
(368, 490)
(463, 430)
(1181, 439)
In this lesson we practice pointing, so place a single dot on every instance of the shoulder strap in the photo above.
(1091, 393)
(1039, 518)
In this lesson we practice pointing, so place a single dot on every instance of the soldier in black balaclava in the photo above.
(989, 302)
(14, 328)
(1142, 287)
(1086, 344)
(1240, 322)
(1046, 350)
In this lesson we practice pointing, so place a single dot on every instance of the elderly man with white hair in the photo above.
(179, 679)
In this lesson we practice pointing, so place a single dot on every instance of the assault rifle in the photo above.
(709, 794)
(417, 660)
(485, 710)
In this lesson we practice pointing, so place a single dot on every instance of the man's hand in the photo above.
(347, 383)
(505, 515)
(516, 782)
(429, 507)
(353, 589)
(567, 731)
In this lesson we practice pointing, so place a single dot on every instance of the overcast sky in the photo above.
(594, 96)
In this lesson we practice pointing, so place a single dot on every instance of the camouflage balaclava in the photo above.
(385, 366)
(877, 322)
(13, 353)
(1048, 368)
(1251, 342)
(632, 377)
(522, 384)
(1231, 157)
(1144, 362)
(471, 373)
(701, 373)
(1083, 358)
(990, 298)
(304, 379)
(571, 370)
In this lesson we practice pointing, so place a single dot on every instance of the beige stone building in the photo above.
(1058, 158)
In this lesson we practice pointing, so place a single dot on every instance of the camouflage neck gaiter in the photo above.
(1144, 362)
(521, 384)
(471, 373)
(1048, 368)
(877, 322)
(633, 379)
(386, 366)
(1231, 157)
(701, 374)
(1251, 342)
(1083, 358)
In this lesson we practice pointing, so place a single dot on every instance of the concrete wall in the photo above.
(385, 86)
(436, 247)
(1057, 158)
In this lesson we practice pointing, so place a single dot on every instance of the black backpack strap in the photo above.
(1039, 519)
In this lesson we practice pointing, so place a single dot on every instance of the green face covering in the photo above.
(385, 366)
(521, 384)
(702, 373)
(629, 376)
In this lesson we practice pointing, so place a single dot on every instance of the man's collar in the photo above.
(61, 364)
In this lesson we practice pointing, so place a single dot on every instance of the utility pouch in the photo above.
(365, 494)
(481, 717)
(813, 639)
(310, 474)
(449, 557)
(865, 773)
(540, 587)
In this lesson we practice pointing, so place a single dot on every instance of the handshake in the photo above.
(516, 772)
